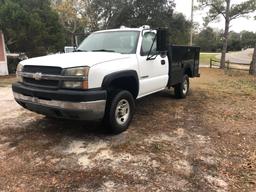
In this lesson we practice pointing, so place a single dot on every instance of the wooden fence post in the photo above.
(210, 62)
(228, 65)
(226, 68)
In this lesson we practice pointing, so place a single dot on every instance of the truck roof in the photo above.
(122, 28)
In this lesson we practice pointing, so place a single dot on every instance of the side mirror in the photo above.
(161, 40)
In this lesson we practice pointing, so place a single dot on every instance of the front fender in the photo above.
(106, 71)
(117, 75)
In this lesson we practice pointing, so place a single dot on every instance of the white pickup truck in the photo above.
(104, 76)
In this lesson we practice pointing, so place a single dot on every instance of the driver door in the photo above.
(153, 72)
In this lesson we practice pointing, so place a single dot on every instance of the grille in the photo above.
(44, 83)
(44, 70)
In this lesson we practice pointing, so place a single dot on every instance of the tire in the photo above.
(181, 90)
(119, 111)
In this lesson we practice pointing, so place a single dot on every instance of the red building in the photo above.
(3, 58)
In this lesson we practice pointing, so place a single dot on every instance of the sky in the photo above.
(240, 24)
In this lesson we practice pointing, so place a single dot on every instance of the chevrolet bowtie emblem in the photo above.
(37, 76)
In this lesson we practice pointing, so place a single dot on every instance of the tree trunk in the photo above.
(72, 38)
(226, 33)
(253, 63)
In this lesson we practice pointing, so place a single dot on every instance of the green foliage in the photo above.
(242, 9)
(205, 57)
(156, 13)
(208, 40)
(151, 12)
(113, 13)
(179, 29)
(70, 17)
(211, 41)
(38, 27)
(248, 39)
(31, 26)
(235, 43)
(12, 64)
(218, 8)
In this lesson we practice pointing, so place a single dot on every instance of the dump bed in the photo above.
(182, 60)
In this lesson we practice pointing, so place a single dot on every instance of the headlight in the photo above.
(79, 71)
(76, 72)
(18, 71)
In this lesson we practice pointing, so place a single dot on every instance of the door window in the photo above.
(147, 40)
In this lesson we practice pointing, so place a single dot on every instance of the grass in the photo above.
(205, 57)
(236, 82)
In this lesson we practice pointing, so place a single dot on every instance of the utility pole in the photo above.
(192, 23)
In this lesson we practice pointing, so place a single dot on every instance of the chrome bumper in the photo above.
(63, 109)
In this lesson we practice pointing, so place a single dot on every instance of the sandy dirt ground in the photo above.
(205, 142)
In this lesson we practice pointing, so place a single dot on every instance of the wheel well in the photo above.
(127, 83)
(188, 72)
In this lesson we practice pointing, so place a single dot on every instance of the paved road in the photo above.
(239, 57)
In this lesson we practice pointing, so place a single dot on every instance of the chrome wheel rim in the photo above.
(122, 112)
(185, 87)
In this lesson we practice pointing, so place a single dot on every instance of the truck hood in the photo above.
(75, 59)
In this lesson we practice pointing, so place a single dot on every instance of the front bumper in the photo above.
(67, 104)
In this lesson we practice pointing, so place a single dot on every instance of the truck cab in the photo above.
(104, 76)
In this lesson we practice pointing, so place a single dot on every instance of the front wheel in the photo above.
(119, 111)
(181, 90)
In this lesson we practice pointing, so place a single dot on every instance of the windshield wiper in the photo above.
(103, 50)
(80, 50)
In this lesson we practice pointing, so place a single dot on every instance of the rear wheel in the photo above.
(181, 90)
(119, 111)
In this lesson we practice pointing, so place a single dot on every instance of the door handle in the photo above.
(162, 62)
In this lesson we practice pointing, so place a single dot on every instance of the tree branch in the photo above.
(218, 10)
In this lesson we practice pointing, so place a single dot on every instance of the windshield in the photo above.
(124, 42)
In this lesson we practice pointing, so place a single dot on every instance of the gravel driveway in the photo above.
(172, 145)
